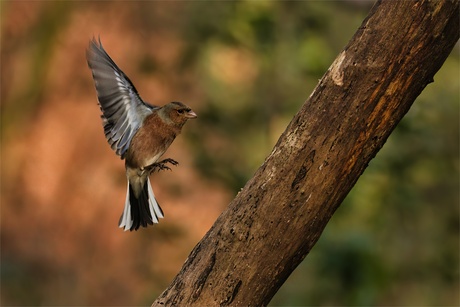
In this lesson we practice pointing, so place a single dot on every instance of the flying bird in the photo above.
(138, 132)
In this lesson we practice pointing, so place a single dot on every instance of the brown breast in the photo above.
(150, 141)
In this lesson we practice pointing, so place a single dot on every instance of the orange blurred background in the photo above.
(62, 187)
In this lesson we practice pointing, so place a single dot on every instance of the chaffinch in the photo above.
(138, 132)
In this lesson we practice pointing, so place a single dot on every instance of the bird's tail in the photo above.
(140, 211)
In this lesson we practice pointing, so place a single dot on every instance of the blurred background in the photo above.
(245, 67)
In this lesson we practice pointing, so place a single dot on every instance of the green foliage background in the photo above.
(251, 64)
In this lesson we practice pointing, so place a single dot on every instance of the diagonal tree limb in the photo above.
(272, 224)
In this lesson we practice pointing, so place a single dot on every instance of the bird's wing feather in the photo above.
(123, 110)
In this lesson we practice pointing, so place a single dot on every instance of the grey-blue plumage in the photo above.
(123, 110)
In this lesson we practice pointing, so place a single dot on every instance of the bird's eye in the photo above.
(181, 111)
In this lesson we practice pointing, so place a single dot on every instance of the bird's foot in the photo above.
(161, 166)
(169, 160)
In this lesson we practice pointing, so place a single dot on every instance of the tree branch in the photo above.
(272, 224)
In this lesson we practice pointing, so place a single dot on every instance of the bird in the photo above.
(138, 132)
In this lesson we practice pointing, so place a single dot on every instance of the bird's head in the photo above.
(178, 113)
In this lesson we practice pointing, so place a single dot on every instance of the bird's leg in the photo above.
(161, 165)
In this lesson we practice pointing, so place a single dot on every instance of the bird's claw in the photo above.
(169, 160)
(161, 166)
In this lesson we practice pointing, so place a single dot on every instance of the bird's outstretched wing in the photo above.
(123, 110)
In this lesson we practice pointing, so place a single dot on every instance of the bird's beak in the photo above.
(191, 115)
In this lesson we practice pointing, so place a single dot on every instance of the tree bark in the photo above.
(272, 224)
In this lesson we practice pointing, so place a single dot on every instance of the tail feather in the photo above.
(156, 212)
(140, 211)
(126, 220)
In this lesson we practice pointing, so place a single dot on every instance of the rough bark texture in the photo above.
(272, 224)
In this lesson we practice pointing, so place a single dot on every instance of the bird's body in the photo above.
(138, 132)
(153, 145)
